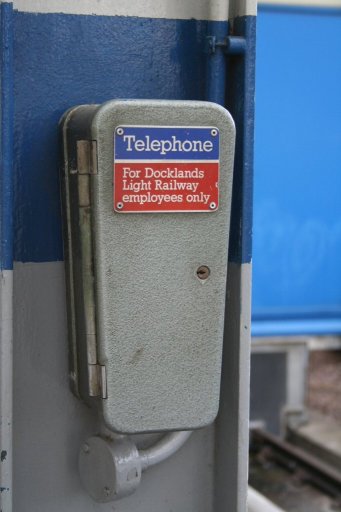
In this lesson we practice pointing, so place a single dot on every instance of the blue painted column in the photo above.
(216, 64)
(240, 102)
(6, 257)
(6, 178)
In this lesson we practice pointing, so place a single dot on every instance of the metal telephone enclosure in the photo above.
(146, 193)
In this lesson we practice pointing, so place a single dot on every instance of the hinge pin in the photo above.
(231, 45)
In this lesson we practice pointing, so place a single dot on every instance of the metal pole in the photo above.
(216, 65)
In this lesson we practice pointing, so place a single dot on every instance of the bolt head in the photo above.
(86, 448)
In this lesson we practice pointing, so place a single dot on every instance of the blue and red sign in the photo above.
(166, 169)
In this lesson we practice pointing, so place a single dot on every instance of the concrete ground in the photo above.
(324, 383)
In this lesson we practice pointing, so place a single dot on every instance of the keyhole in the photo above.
(203, 272)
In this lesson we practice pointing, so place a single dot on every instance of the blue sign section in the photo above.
(166, 143)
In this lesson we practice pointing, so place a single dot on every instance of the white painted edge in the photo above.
(257, 425)
(257, 502)
(6, 387)
(303, 3)
(282, 343)
(171, 9)
(244, 373)
(242, 8)
(216, 10)
(324, 343)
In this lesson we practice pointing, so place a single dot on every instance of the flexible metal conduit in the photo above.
(165, 448)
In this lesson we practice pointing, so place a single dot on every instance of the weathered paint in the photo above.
(215, 10)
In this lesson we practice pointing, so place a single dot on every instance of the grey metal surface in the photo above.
(6, 388)
(109, 470)
(232, 424)
(50, 424)
(159, 327)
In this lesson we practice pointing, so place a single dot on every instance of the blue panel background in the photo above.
(297, 181)
(64, 60)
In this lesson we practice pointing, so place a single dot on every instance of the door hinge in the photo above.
(97, 380)
(86, 157)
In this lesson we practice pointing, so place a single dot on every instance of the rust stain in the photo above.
(137, 356)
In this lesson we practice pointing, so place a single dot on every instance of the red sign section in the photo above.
(161, 186)
(166, 169)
